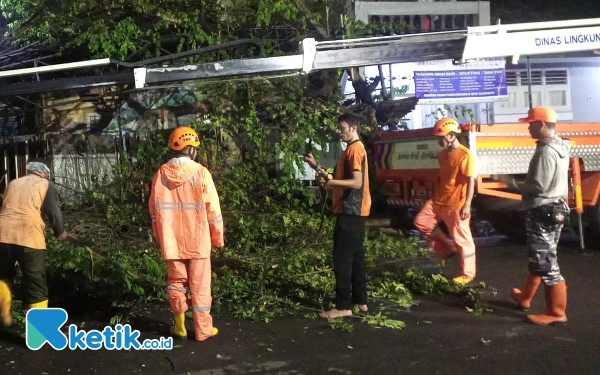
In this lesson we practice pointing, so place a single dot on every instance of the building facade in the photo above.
(420, 17)
(569, 83)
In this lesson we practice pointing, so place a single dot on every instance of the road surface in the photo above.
(441, 337)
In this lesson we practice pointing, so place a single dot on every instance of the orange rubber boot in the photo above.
(556, 306)
(523, 298)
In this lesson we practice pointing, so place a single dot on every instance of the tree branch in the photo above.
(322, 30)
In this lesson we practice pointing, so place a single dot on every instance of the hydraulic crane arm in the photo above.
(322, 55)
(511, 40)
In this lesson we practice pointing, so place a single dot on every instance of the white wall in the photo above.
(585, 94)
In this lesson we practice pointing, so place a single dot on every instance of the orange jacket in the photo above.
(25, 203)
(185, 210)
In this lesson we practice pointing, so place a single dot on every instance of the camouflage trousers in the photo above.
(542, 243)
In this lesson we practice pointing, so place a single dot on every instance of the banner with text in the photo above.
(461, 86)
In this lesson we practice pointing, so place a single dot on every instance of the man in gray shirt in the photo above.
(544, 195)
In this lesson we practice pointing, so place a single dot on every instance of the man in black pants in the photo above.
(351, 204)
(26, 202)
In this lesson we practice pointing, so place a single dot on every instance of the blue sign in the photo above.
(461, 84)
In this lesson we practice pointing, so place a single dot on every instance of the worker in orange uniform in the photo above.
(25, 203)
(451, 202)
(544, 195)
(187, 222)
(352, 205)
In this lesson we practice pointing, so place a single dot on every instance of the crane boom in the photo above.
(510, 40)
(322, 55)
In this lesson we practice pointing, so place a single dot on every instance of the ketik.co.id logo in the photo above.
(43, 326)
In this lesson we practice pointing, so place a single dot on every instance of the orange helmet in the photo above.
(183, 136)
(540, 114)
(446, 125)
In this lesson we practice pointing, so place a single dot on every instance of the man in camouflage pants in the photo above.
(544, 193)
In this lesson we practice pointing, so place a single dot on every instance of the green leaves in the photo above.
(339, 324)
(380, 320)
(277, 258)
(120, 27)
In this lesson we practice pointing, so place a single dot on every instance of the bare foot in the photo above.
(335, 313)
(363, 308)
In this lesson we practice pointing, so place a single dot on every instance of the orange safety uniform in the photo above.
(352, 201)
(456, 167)
(25, 203)
(352, 207)
(187, 222)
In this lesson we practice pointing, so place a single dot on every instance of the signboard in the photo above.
(468, 85)
(409, 155)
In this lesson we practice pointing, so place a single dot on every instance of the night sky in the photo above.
(511, 11)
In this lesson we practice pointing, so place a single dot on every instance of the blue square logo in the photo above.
(43, 326)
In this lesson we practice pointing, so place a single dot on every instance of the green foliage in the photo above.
(358, 29)
(379, 245)
(116, 277)
(389, 289)
(380, 320)
(277, 257)
(416, 279)
(339, 324)
(126, 28)
(459, 112)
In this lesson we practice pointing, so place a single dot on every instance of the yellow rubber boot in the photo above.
(5, 303)
(462, 280)
(178, 330)
(39, 305)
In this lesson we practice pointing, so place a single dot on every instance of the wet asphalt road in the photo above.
(441, 337)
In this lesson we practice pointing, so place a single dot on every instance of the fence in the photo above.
(77, 163)
(80, 163)
(16, 152)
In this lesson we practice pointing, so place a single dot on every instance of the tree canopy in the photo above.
(127, 29)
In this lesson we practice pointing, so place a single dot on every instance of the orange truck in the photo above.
(406, 167)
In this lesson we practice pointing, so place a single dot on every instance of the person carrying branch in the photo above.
(351, 205)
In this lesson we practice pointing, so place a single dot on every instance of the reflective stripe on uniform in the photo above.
(201, 308)
(180, 206)
(172, 287)
(215, 220)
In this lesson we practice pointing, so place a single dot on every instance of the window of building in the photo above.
(430, 22)
(549, 87)
(93, 119)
